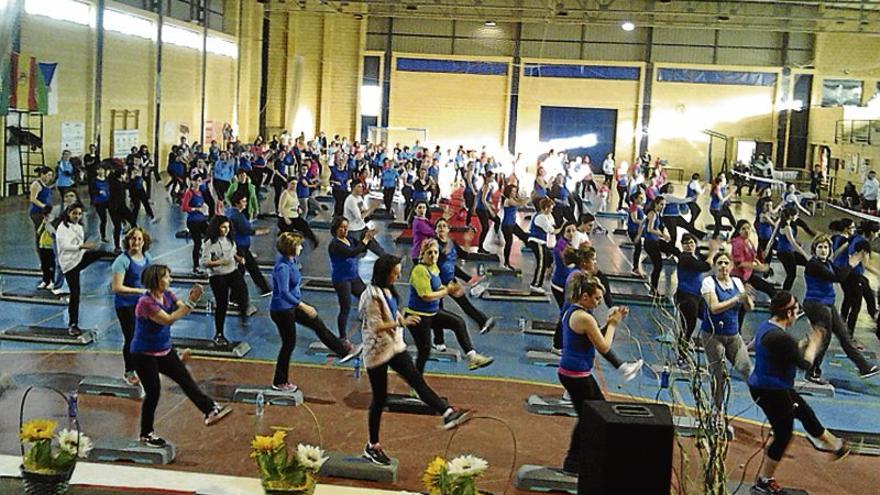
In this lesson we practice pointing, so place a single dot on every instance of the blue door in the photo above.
(586, 131)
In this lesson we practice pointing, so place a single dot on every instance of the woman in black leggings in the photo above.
(541, 227)
(485, 210)
(345, 252)
(771, 385)
(287, 309)
(656, 241)
(153, 353)
(692, 267)
(384, 348)
(635, 219)
(856, 287)
(719, 204)
(511, 202)
(788, 249)
(221, 260)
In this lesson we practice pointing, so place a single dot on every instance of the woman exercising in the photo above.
(345, 252)
(692, 268)
(542, 226)
(384, 348)
(788, 249)
(634, 219)
(656, 241)
(127, 289)
(719, 205)
(289, 217)
(511, 202)
(221, 260)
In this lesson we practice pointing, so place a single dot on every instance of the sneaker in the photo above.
(477, 290)
(220, 341)
(767, 486)
(353, 351)
(538, 289)
(870, 373)
(285, 387)
(50, 286)
(566, 397)
(219, 412)
(439, 347)
(42, 285)
(155, 220)
(131, 378)
(630, 369)
(183, 354)
(489, 325)
(477, 361)
(376, 454)
(843, 451)
(60, 291)
(456, 418)
(556, 350)
(74, 331)
(817, 379)
(266, 294)
(251, 310)
(153, 440)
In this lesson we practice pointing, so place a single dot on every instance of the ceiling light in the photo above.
(627, 26)
(489, 24)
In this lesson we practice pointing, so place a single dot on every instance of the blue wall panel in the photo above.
(585, 124)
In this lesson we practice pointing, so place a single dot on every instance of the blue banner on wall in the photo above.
(582, 71)
(452, 66)
(717, 77)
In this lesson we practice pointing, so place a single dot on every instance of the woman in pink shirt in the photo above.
(421, 229)
(745, 262)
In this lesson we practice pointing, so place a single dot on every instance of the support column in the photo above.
(514, 90)
(325, 106)
(386, 74)
(157, 111)
(99, 72)
(203, 19)
(646, 92)
(264, 70)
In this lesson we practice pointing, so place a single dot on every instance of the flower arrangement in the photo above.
(39, 455)
(456, 477)
(282, 472)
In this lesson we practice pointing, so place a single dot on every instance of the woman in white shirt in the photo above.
(74, 255)
(541, 227)
(289, 218)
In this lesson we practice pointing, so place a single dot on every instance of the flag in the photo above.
(28, 88)
(50, 78)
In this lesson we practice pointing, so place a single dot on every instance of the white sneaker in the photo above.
(538, 288)
(566, 397)
(556, 350)
(60, 291)
(439, 347)
(630, 369)
(41, 285)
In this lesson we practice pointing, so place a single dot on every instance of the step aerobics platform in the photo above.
(641, 299)
(862, 443)
(545, 328)
(109, 386)
(130, 450)
(206, 347)
(47, 335)
(358, 467)
(248, 394)
(545, 479)
(518, 295)
(542, 358)
(34, 297)
(503, 270)
(551, 405)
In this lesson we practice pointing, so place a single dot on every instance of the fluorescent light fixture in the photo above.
(570, 143)
(181, 37)
(220, 46)
(371, 101)
(627, 26)
(489, 24)
(132, 25)
(62, 10)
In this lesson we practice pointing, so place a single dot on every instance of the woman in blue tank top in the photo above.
(657, 241)
(720, 335)
(765, 225)
(719, 204)
(634, 219)
(820, 276)
(856, 287)
(485, 210)
(193, 204)
(789, 250)
(41, 199)
(511, 203)
(345, 252)
(771, 385)
(692, 268)
(127, 289)
(582, 337)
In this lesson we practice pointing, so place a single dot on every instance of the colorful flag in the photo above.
(28, 87)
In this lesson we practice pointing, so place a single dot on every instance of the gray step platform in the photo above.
(205, 347)
(503, 270)
(711, 226)
(357, 467)
(809, 388)
(408, 404)
(232, 310)
(382, 214)
(475, 256)
(542, 358)
(248, 394)
(459, 228)
(626, 278)
(620, 232)
(641, 299)
(550, 405)
(107, 385)
(749, 488)
(676, 373)
(23, 272)
(318, 348)
(545, 479)
(861, 443)
(318, 285)
(319, 224)
(47, 335)
(398, 226)
(181, 234)
(188, 278)
(130, 450)
(544, 328)
(324, 199)
(869, 355)
(403, 239)
(611, 214)
(34, 297)
(515, 295)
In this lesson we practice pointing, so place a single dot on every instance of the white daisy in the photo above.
(310, 457)
(67, 441)
(467, 465)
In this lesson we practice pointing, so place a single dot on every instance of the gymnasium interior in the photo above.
(699, 87)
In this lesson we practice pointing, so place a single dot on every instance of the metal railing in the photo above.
(857, 132)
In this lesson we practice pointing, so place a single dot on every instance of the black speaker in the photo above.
(625, 444)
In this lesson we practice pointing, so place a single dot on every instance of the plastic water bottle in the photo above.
(357, 368)
(481, 269)
(521, 322)
(73, 405)
(664, 377)
(261, 404)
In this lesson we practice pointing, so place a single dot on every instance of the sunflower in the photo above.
(432, 477)
(267, 444)
(38, 429)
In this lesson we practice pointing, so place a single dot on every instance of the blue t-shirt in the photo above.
(150, 336)
(131, 271)
(286, 284)
(389, 178)
(770, 373)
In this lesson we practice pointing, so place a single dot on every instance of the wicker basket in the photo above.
(45, 484)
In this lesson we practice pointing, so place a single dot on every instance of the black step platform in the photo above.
(318, 285)
(24, 272)
(324, 199)
(400, 403)
(382, 214)
(319, 224)
(47, 335)
(545, 328)
(535, 478)
(205, 347)
(620, 232)
(503, 270)
(625, 277)
(476, 256)
(202, 309)
(403, 239)
(34, 297)
(518, 295)
(641, 299)
(398, 226)
(861, 443)
(724, 228)
(181, 234)
(267, 216)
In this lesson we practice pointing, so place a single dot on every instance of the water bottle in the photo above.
(664, 377)
(73, 405)
(521, 321)
(357, 368)
(261, 404)
(481, 269)
(2, 285)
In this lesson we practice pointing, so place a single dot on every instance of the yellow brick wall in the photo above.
(128, 84)
(455, 109)
(535, 92)
(250, 46)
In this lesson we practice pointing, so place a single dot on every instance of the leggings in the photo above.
(621, 196)
(695, 212)
(125, 314)
(442, 320)
(762, 246)
(344, 291)
(138, 198)
(148, 369)
(856, 287)
(72, 278)
(469, 203)
(509, 231)
(782, 407)
(47, 264)
(673, 223)
(221, 186)
(688, 311)
(828, 318)
(101, 208)
(224, 287)
(717, 215)
(717, 348)
(118, 214)
(759, 284)
(250, 264)
(298, 224)
(388, 198)
(339, 196)
(790, 261)
(542, 261)
(402, 364)
(483, 216)
(286, 322)
(637, 249)
(654, 247)
(580, 390)
(197, 230)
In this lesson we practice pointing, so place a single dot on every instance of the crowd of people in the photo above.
(223, 190)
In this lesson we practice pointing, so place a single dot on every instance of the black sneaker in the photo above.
(219, 412)
(74, 331)
(456, 418)
(153, 440)
(352, 352)
(376, 454)
(870, 373)
(489, 325)
(767, 486)
(220, 341)
(817, 379)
